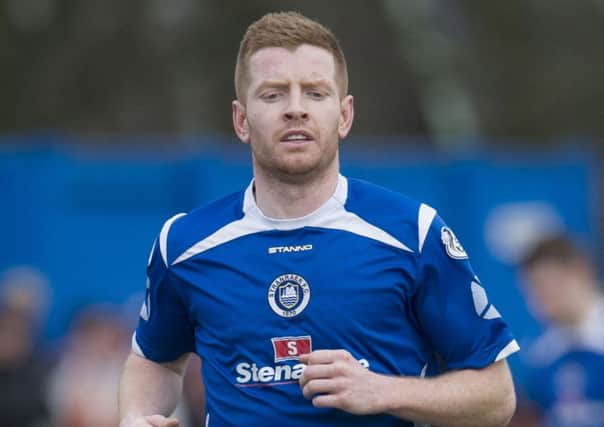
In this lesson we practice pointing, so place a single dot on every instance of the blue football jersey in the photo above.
(371, 272)
(566, 373)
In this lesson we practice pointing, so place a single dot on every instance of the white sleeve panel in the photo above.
(136, 349)
(424, 221)
(163, 237)
(508, 350)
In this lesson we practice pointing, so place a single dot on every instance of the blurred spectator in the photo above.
(26, 290)
(565, 366)
(23, 366)
(84, 385)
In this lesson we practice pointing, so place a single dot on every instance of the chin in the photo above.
(298, 165)
(297, 170)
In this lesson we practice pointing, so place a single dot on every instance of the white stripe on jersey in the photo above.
(229, 232)
(332, 215)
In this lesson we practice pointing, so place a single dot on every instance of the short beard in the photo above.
(293, 172)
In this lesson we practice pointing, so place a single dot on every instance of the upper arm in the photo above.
(165, 331)
(499, 378)
(177, 366)
(499, 373)
(452, 306)
(148, 387)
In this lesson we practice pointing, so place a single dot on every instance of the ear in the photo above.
(346, 116)
(240, 122)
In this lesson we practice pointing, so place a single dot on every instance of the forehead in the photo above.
(546, 271)
(303, 62)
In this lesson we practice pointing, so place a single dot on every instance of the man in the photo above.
(313, 299)
(566, 364)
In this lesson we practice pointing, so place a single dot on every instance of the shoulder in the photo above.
(368, 197)
(405, 218)
(183, 230)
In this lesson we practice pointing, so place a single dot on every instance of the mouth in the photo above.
(296, 136)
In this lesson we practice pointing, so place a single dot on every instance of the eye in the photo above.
(316, 94)
(271, 95)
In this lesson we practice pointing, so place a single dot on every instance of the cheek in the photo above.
(263, 120)
(545, 292)
(254, 120)
(328, 119)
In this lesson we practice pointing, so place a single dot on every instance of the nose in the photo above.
(295, 109)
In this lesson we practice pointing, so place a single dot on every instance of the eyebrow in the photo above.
(320, 83)
(272, 84)
(280, 84)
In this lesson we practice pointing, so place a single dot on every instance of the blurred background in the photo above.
(116, 115)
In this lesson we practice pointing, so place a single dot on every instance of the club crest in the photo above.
(288, 295)
(452, 245)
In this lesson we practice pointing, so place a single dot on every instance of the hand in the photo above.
(150, 421)
(335, 379)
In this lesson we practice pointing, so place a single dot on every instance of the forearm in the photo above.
(148, 388)
(468, 398)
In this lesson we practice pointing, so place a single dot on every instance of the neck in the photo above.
(295, 197)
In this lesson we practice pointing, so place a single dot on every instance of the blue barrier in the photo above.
(86, 216)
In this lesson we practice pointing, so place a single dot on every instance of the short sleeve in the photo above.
(452, 307)
(164, 331)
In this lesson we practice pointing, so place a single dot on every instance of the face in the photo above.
(292, 114)
(557, 291)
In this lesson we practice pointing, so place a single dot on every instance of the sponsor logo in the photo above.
(252, 375)
(249, 374)
(288, 295)
(290, 348)
(452, 245)
(288, 249)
